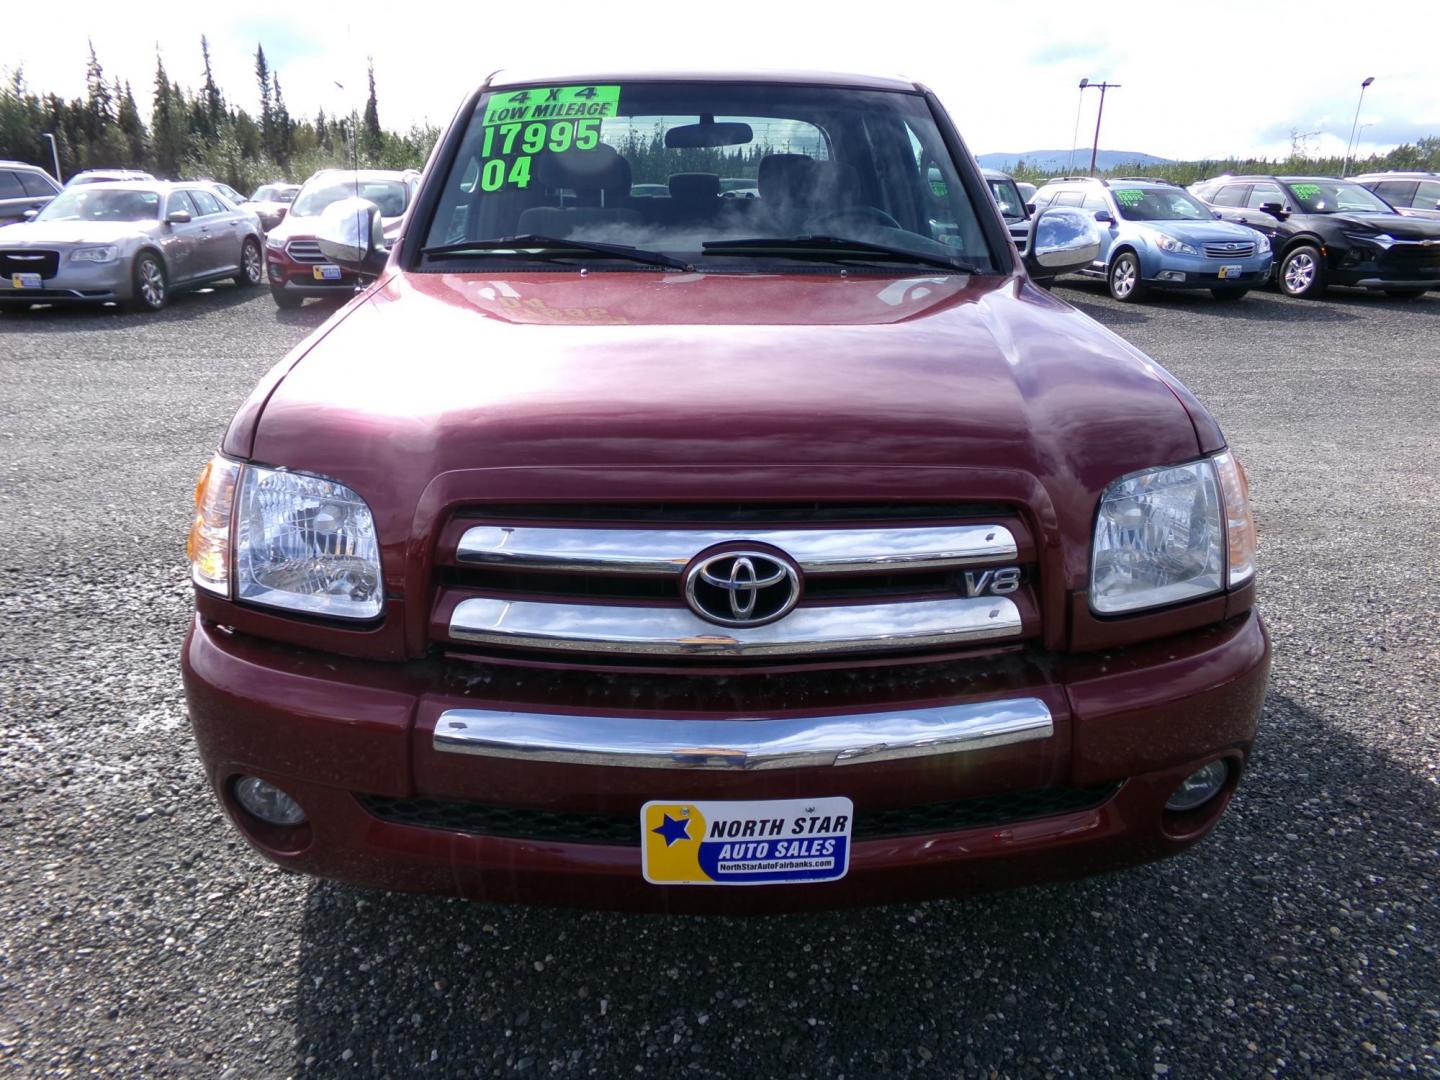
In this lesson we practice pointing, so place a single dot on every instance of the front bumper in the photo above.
(85, 282)
(1171, 271)
(296, 277)
(343, 737)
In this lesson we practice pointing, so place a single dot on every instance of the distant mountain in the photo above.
(1054, 160)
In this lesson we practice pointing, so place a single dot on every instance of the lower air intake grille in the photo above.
(527, 823)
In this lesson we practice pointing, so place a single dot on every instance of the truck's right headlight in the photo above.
(1171, 534)
(285, 540)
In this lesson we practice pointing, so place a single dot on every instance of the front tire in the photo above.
(1302, 273)
(252, 264)
(152, 287)
(285, 300)
(1229, 294)
(1124, 279)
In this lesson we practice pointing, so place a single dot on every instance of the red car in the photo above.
(620, 551)
(296, 268)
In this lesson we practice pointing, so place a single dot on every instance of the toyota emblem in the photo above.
(741, 588)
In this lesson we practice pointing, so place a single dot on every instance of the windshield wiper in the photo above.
(836, 247)
(533, 244)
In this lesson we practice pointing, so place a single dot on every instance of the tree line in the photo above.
(197, 133)
(1423, 155)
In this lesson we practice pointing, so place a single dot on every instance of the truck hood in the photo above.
(613, 374)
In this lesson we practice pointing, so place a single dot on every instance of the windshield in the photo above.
(99, 204)
(1007, 197)
(389, 195)
(671, 167)
(1160, 204)
(1333, 196)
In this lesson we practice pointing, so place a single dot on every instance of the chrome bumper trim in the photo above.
(667, 551)
(674, 631)
(741, 745)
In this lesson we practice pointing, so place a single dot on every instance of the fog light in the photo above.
(267, 802)
(1199, 787)
(1171, 275)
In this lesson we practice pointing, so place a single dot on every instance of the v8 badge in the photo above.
(992, 582)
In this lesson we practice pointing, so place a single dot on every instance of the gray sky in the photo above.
(1199, 80)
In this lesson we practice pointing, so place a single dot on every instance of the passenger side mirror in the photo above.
(178, 217)
(1105, 217)
(29, 215)
(1217, 213)
(1029, 209)
(1274, 209)
(350, 234)
(1062, 239)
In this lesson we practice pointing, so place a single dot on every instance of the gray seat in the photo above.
(600, 179)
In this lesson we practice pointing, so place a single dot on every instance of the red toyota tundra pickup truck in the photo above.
(615, 547)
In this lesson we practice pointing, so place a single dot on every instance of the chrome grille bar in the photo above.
(667, 551)
(742, 745)
(674, 631)
(1221, 251)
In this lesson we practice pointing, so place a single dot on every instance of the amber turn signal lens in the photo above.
(208, 545)
(1239, 524)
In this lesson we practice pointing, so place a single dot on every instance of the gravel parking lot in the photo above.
(140, 936)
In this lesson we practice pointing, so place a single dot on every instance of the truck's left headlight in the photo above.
(299, 542)
(1159, 539)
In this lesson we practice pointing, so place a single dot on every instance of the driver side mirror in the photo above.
(1217, 214)
(351, 235)
(1274, 209)
(178, 217)
(1062, 239)
(29, 215)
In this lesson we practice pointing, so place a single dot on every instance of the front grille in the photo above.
(618, 580)
(1229, 251)
(28, 261)
(304, 251)
(526, 823)
(1411, 257)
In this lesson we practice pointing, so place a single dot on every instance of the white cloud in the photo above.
(1196, 80)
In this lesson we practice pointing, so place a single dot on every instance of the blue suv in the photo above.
(1156, 235)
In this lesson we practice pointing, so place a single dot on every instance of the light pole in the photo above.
(1075, 135)
(1095, 146)
(1363, 86)
(54, 156)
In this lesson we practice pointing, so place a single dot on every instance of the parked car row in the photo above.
(123, 237)
(1228, 234)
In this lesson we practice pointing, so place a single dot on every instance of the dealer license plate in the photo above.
(326, 272)
(769, 842)
(25, 281)
(1231, 271)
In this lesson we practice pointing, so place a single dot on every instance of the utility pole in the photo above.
(1075, 135)
(1348, 145)
(55, 156)
(1095, 146)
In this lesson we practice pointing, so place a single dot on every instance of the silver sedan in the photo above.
(127, 242)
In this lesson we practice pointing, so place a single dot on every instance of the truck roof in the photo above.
(518, 77)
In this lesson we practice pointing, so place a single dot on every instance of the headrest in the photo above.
(694, 186)
(787, 177)
(600, 169)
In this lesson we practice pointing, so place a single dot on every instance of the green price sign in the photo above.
(522, 123)
(1130, 197)
(1306, 191)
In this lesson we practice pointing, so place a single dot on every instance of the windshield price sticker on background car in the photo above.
(521, 123)
(1305, 191)
(771, 842)
(1129, 197)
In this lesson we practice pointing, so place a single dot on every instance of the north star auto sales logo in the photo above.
(746, 843)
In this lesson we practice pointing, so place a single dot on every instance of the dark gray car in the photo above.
(128, 242)
(23, 188)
